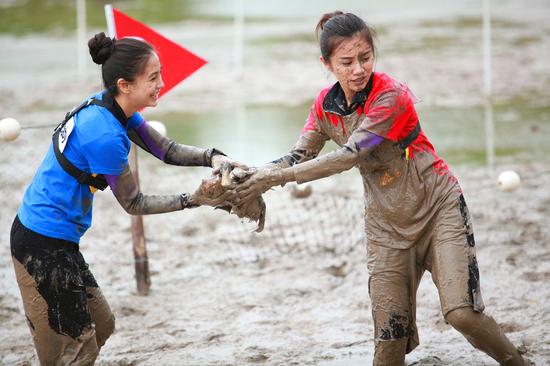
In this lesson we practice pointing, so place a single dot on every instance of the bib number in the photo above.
(64, 134)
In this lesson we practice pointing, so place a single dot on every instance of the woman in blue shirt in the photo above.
(66, 311)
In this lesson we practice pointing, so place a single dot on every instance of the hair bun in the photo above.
(325, 18)
(100, 47)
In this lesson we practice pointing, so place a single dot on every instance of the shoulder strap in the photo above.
(114, 108)
(97, 181)
(407, 140)
(94, 180)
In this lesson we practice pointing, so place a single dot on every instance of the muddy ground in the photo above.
(295, 294)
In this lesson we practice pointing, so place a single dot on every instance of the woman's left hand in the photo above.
(218, 161)
(223, 167)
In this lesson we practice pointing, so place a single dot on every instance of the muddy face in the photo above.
(351, 63)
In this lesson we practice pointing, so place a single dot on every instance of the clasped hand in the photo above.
(258, 181)
(215, 191)
(235, 184)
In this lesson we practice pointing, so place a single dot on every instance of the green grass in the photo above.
(37, 16)
(464, 22)
(457, 156)
(526, 40)
(56, 16)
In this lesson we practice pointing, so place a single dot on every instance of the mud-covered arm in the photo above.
(261, 179)
(334, 162)
(323, 166)
(170, 151)
(306, 148)
(384, 120)
(134, 202)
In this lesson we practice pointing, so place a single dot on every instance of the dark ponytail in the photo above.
(333, 27)
(123, 58)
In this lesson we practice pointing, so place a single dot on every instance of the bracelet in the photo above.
(185, 200)
(209, 154)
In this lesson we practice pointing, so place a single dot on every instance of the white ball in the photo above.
(159, 126)
(9, 129)
(508, 181)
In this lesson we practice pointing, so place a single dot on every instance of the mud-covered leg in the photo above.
(392, 286)
(100, 312)
(102, 315)
(392, 320)
(52, 348)
(483, 332)
(456, 274)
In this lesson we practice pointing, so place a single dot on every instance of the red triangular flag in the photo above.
(177, 62)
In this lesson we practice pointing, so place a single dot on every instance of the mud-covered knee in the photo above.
(110, 326)
(105, 330)
(462, 319)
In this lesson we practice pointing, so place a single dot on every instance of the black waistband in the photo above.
(411, 136)
(24, 241)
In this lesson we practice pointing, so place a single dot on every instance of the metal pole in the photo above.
(238, 38)
(238, 70)
(487, 87)
(111, 30)
(81, 37)
(141, 262)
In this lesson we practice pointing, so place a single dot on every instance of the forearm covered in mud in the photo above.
(321, 167)
(170, 151)
(128, 194)
(359, 146)
(185, 155)
(307, 148)
(295, 156)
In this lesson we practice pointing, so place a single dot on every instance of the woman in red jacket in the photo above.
(416, 216)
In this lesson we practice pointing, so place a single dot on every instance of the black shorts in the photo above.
(61, 274)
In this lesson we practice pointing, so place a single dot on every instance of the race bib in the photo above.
(64, 134)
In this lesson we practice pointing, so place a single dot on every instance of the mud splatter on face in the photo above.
(352, 63)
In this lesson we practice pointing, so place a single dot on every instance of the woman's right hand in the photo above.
(259, 180)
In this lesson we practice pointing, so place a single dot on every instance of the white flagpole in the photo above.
(238, 71)
(238, 38)
(110, 21)
(141, 261)
(81, 37)
(487, 87)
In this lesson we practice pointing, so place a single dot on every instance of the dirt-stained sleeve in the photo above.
(310, 143)
(386, 116)
(128, 194)
(167, 150)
